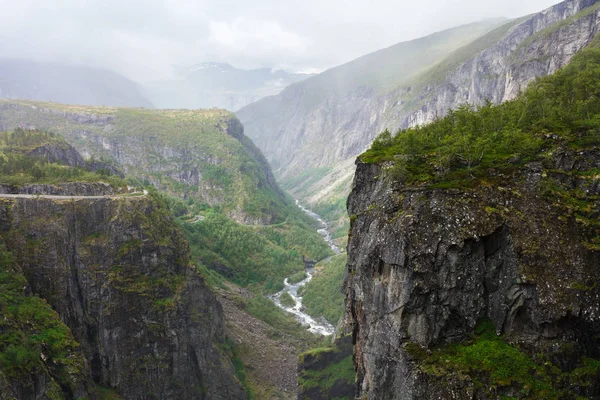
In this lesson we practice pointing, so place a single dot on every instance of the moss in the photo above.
(328, 367)
(106, 393)
(491, 362)
(31, 331)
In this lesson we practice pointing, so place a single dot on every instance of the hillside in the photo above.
(474, 248)
(201, 155)
(209, 85)
(327, 128)
(100, 297)
(211, 175)
(69, 84)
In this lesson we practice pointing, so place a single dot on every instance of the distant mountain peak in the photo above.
(222, 67)
(214, 84)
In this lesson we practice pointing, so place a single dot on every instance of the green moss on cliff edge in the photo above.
(491, 363)
(33, 339)
(477, 146)
(327, 373)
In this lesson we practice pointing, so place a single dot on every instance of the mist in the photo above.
(145, 39)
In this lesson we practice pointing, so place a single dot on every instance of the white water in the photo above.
(321, 327)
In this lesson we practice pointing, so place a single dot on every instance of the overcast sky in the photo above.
(143, 39)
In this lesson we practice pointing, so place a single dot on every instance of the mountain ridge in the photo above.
(69, 84)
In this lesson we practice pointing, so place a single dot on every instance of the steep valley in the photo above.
(328, 120)
(150, 254)
(110, 254)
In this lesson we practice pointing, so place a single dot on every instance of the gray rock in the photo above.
(425, 265)
(118, 272)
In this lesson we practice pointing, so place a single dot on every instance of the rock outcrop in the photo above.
(118, 272)
(425, 265)
(62, 189)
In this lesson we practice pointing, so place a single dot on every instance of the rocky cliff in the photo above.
(477, 278)
(426, 265)
(118, 273)
(201, 155)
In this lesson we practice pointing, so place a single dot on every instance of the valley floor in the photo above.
(270, 357)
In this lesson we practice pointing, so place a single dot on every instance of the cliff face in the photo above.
(425, 265)
(118, 273)
(200, 154)
(538, 46)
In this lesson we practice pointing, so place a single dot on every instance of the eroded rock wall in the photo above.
(118, 272)
(426, 264)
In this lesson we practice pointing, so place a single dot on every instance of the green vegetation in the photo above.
(462, 148)
(297, 277)
(491, 363)
(302, 182)
(334, 211)
(263, 255)
(323, 295)
(33, 339)
(17, 167)
(287, 300)
(198, 154)
(266, 310)
(105, 393)
(232, 352)
(324, 368)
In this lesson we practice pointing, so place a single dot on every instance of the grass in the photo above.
(30, 327)
(265, 310)
(491, 362)
(105, 393)
(287, 300)
(254, 255)
(297, 277)
(200, 154)
(18, 167)
(324, 367)
(323, 295)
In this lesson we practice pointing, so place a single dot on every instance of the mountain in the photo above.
(213, 220)
(250, 231)
(219, 85)
(69, 84)
(474, 249)
(201, 154)
(313, 130)
(100, 297)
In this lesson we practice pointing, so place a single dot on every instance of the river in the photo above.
(321, 326)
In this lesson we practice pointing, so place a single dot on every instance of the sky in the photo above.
(145, 39)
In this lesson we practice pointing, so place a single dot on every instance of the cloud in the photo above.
(262, 41)
(144, 39)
